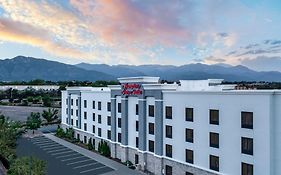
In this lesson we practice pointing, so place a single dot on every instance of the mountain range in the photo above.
(23, 68)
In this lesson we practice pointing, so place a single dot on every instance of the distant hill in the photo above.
(189, 71)
(23, 68)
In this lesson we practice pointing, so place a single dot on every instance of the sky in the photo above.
(135, 32)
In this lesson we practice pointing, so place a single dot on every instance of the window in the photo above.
(214, 163)
(71, 111)
(66, 110)
(247, 120)
(136, 159)
(94, 129)
(108, 134)
(119, 107)
(150, 110)
(168, 170)
(94, 117)
(214, 140)
(189, 156)
(71, 121)
(169, 112)
(67, 120)
(169, 131)
(189, 114)
(85, 139)
(71, 102)
(66, 101)
(137, 109)
(247, 145)
(169, 150)
(108, 106)
(85, 103)
(108, 120)
(85, 115)
(76, 102)
(99, 132)
(85, 126)
(76, 123)
(188, 173)
(99, 119)
(137, 142)
(151, 128)
(247, 169)
(189, 135)
(119, 137)
(94, 104)
(137, 125)
(99, 105)
(119, 122)
(151, 146)
(214, 117)
(77, 112)
(78, 136)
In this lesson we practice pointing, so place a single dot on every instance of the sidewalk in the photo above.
(119, 168)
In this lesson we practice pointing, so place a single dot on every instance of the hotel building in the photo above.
(198, 127)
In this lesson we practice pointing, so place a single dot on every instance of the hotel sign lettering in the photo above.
(131, 89)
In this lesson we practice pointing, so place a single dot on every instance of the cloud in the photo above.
(263, 63)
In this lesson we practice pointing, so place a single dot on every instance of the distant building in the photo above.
(23, 87)
(195, 127)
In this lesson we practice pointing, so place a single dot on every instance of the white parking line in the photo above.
(47, 141)
(85, 165)
(92, 169)
(62, 152)
(66, 155)
(45, 144)
(79, 161)
(72, 158)
(49, 146)
(57, 150)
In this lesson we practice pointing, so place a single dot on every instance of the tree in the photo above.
(33, 121)
(50, 115)
(47, 101)
(26, 166)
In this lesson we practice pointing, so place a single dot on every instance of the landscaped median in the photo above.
(103, 147)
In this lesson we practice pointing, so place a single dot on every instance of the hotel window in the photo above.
(85, 139)
(189, 135)
(66, 110)
(214, 163)
(137, 142)
(150, 110)
(214, 140)
(169, 112)
(99, 105)
(247, 145)
(189, 114)
(168, 170)
(169, 131)
(169, 150)
(137, 109)
(85, 126)
(247, 120)
(85, 103)
(94, 117)
(137, 125)
(151, 146)
(71, 102)
(94, 104)
(76, 112)
(76, 102)
(67, 120)
(189, 156)
(66, 101)
(71, 121)
(108, 120)
(247, 169)
(119, 107)
(108, 106)
(136, 159)
(99, 119)
(119, 137)
(99, 132)
(108, 134)
(71, 111)
(214, 117)
(85, 115)
(94, 129)
(78, 137)
(119, 122)
(151, 128)
(76, 123)
(188, 173)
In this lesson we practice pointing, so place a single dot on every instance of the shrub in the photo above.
(60, 132)
(90, 145)
(104, 149)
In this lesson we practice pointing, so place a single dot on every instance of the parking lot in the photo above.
(60, 159)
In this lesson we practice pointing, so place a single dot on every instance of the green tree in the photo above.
(27, 166)
(50, 115)
(33, 121)
(47, 101)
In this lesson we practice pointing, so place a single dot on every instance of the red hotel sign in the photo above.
(131, 89)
